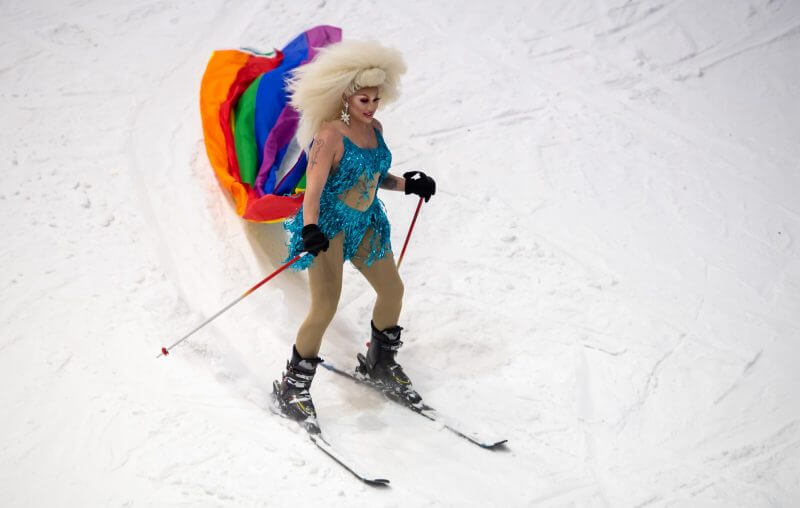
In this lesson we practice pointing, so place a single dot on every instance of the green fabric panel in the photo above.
(244, 135)
(301, 185)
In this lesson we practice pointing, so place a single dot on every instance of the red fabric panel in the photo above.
(254, 67)
(271, 208)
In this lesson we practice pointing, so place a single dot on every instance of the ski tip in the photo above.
(498, 445)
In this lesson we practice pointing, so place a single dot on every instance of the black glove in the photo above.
(420, 184)
(314, 240)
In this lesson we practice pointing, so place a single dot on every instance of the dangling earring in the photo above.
(345, 116)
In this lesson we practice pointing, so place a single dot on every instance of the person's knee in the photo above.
(326, 310)
(325, 297)
(394, 290)
(323, 308)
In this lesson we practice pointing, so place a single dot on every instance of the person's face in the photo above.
(363, 104)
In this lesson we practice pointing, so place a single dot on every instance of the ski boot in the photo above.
(380, 369)
(291, 395)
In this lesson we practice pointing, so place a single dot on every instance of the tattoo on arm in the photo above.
(315, 152)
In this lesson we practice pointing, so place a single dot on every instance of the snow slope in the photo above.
(608, 275)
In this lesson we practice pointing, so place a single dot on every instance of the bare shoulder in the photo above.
(377, 125)
(329, 133)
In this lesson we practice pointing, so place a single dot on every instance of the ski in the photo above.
(423, 410)
(332, 453)
(322, 444)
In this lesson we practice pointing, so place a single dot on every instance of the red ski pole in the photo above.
(165, 350)
(408, 236)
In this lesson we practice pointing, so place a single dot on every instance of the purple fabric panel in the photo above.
(320, 36)
(280, 136)
(286, 124)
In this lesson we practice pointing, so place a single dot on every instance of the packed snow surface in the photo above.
(608, 275)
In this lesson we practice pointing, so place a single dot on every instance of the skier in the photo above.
(337, 95)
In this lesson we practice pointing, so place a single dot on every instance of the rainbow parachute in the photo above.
(248, 125)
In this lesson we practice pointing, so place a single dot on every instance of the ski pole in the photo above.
(408, 236)
(165, 350)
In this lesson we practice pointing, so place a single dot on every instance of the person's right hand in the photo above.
(314, 240)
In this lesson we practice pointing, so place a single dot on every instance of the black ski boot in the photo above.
(291, 394)
(381, 370)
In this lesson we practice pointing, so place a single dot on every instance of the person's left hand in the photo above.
(420, 184)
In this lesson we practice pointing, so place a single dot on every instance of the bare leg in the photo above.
(325, 282)
(384, 279)
(379, 363)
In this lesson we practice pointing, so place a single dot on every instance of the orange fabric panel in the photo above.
(220, 74)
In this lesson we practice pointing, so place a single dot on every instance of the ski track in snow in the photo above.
(608, 275)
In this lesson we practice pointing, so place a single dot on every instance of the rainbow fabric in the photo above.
(248, 124)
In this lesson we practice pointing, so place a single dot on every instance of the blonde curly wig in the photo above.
(316, 88)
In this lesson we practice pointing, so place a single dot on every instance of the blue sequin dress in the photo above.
(358, 167)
